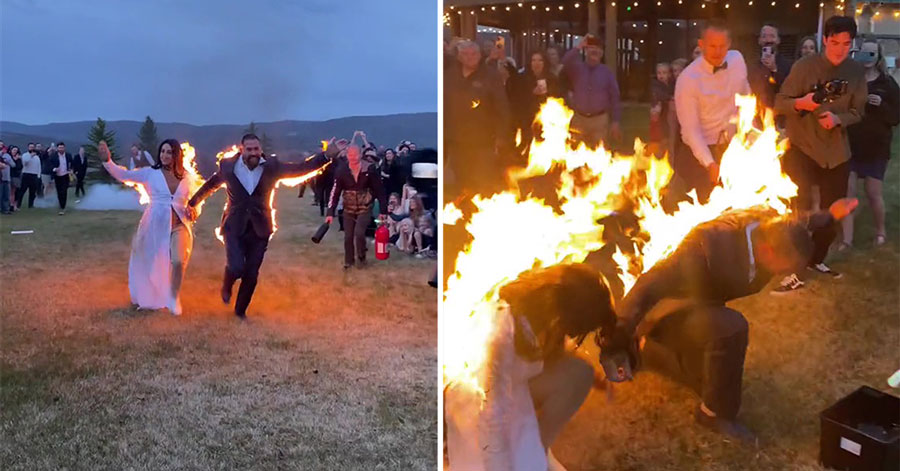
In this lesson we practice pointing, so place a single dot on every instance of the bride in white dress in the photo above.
(162, 244)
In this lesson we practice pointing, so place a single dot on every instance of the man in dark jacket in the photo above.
(768, 73)
(80, 164)
(358, 181)
(247, 223)
(476, 121)
(61, 167)
(675, 320)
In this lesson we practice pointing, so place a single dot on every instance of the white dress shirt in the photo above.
(704, 102)
(248, 178)
(31, 163)
(63, 165)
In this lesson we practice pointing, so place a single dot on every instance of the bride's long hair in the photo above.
(177, 157)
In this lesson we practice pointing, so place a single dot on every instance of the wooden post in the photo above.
(467, 25)
(611, 50)
(593, 18)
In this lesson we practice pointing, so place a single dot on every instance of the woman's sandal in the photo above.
(880, 239)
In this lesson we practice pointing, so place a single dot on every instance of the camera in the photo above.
(826, 92)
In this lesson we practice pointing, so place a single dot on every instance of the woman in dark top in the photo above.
(533, 87)
(870, 139)
(390, 172)
(357, 181)
(15, 173)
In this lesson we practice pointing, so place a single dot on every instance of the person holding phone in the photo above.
(870, 139)
(531, 89)
(768, 73)
(595, 93)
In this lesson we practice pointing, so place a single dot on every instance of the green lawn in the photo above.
(333, 370)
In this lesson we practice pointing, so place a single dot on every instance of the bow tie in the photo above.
(720, 67)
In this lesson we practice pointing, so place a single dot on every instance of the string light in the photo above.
(560, 8)
(577, 5)
(750, 3)
(520, 4)
(547, 9)
(482, 8)
(493, 8)
(452, 7)
(773, 4)
(534, 7)
(660, 41)
(796, 5)
(658, 4)
(507, 8)
(727, 5)
(703, 6)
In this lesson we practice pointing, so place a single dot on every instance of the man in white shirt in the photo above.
(704, 102)
(31, 175)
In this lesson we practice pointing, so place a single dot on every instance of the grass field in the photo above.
(333, 370)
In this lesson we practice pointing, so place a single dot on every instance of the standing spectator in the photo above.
(476, 121)
(819, 150)
(532, 88)
(80, 165)
(62, 168)
(6, 164)
(805, 47)
(45, 170)
(31, 175)
(678, 66)
(139, 158)
(16, 174)
(870, 139)
(357, 182)
(768, 73)
(704, 101)
(554, 65)
(662, 92)
(595, 93)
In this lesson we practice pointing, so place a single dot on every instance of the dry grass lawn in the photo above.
(333, 370)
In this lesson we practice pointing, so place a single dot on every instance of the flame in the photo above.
(513, 233)
(450, 215)
(324, 146)
(475, 103)
(190, 166)
(225, 154)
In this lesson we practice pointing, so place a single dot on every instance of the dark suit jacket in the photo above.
(80, 166)
(54, 163)
(711, 266)
(251, 208)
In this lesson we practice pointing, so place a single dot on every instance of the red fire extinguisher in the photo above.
(382, 237)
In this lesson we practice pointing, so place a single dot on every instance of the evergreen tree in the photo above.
(99, 133)
(148, 137)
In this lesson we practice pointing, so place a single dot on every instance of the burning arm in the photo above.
(336, 191)
(299, 169)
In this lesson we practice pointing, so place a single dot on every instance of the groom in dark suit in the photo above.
(249, 179)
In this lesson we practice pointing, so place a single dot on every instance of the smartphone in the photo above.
(767, 50)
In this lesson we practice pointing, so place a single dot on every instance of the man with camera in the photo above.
(823, 94)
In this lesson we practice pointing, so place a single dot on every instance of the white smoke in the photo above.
(99, 197)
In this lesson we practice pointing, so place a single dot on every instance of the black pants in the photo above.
(832, 182)
(30, 183)
(692, 173)
(243, 257)
(62, 189)
(79, 185)
(355, 236)
(704, 348)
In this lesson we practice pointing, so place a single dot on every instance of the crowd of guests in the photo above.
(364, 174)
(35, 171)
(488, 99)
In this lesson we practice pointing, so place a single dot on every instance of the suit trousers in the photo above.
(704, 348)
(62, 189)
(243, 256)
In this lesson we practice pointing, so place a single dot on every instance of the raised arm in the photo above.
(117, 171)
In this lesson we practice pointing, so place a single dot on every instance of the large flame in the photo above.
(513, 233)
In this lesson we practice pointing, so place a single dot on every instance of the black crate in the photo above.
(861, 432)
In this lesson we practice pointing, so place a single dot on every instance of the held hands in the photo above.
(713, 171)
(805, 103)
(843, 207)
(874, 100)
(829, 120)
(191, 213)
(103, 151)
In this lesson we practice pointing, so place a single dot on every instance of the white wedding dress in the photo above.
(149, 268)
